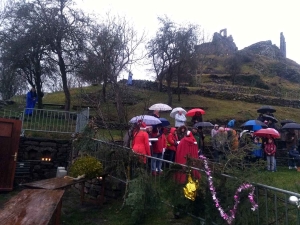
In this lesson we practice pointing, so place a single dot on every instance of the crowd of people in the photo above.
(178, 142)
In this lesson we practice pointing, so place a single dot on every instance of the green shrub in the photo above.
(90, 166)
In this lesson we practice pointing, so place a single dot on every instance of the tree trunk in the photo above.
(169, 93)
(62, 68)
(119, 104)
(104, 91)
(178, 89)
(160, 85)
(38, 85)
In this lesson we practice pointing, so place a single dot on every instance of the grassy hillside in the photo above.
(216, 109)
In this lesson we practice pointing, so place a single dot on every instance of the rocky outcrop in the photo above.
(220, 45)
(265, 48)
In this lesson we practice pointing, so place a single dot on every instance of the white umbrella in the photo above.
(149, 120)
(160, 106)
(176, 110)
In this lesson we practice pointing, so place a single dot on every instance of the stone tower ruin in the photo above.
(223, 32)
(282, 45)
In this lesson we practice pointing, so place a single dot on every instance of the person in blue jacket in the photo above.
(31, 99)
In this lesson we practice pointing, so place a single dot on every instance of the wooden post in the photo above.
(82, 192)
(58, 213)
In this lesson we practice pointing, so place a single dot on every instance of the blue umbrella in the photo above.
(164, 122)
(253, 125)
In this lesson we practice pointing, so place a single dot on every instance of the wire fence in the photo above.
(274, 206)
(54, 121)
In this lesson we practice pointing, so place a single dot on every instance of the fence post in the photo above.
(23, 116)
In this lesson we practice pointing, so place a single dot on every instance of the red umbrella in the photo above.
(192, 112)
(267, 133)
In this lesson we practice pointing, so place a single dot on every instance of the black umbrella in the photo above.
(203, 124)
(265, 109)
(283, 122)
(272, 118)
(295, 126)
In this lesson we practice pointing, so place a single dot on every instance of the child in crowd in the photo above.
(270, 150)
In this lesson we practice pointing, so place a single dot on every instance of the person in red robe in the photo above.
(187, 147)
(140, 143)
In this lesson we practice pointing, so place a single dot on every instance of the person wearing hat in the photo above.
(231, 123)
(140, 142)
(187, 148)
(219, 143)
(214, 131)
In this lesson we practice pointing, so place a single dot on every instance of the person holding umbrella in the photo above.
(179, 119)
(291, 142)
(197, 118)
(156, 113)
(140, 142)
(270, 150)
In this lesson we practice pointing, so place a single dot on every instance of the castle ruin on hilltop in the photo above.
(222, 44)
(282, 45)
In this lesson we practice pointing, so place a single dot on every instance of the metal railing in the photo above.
(42, 120)
(274, 206)
(9, 114)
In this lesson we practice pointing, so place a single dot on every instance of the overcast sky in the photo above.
(247, 21)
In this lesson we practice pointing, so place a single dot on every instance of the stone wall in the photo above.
(37, 150)
(113, 188)
(33, 150)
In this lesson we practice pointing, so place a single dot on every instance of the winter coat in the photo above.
(186, 148)
(219, 141)
(172, 139)
(213, 132)
(270, 149)
(233, 140)
(160, 144)
(179, 120)
(196, 119)
(140, 144)
(291, 141)
(31, 99)
(257, 151)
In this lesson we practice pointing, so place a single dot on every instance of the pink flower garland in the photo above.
(245, 186)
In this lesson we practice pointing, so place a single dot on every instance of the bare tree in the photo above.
(64, 29)
(23, 45)
(114, 44)
(233, 66)
(10, 82)
(172, 52)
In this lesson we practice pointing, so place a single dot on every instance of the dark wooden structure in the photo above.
(65, 182)
(10, 131)
(33, 207)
